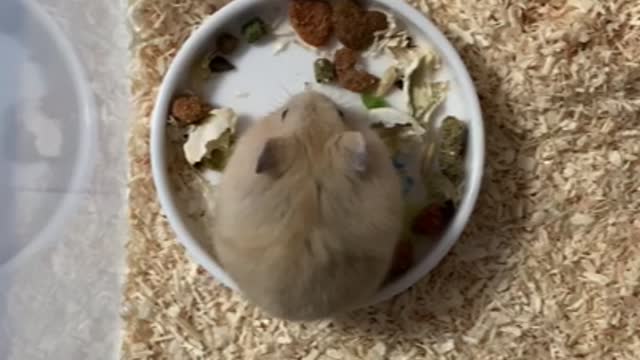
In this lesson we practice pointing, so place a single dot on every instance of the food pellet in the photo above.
(311, 19)
(226, 43)
(189, 109)
(219, 64)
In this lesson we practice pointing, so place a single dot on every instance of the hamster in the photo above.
(309, 211)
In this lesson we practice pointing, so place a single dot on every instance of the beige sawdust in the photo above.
(548, 268)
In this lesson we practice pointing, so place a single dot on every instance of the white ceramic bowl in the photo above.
(286, 73)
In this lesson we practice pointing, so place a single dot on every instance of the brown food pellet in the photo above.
(354, 26)
(311, 19)
(226, 43)
(189, 109)
(345, 59)
(434, 219)
(358, 81)
(349, 27)
(346, 10)
(377, 21)
(349, 77)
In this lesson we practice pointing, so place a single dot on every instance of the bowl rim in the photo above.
(85, 159)
(193, 46)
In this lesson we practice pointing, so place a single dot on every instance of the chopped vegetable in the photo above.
(324, 70)
(453, 134)
(373, 102)
(214, 134)
(389, 78)
(428, 97)
(390, 118)
(423, 96)
(189, 109)
(392, 137)
(226, 43)
(393, 37)
(218, 64)
(254, 30)
(200, 70)
(453, 137)
(217, 159)
(439, 189)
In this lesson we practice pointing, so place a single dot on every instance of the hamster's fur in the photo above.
(309, 211)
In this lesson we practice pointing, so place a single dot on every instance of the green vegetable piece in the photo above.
(373, 102)
(218, 158)
(324, 71)
(254, 30)
(216, 161)
(453, 140)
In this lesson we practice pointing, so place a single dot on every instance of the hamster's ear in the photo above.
(275, 157)
(353, 147)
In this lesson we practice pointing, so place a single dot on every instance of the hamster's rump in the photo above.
(309, 211)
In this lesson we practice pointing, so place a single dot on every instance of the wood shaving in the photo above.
(549, 266)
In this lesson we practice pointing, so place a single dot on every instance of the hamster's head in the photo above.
(313, 134)
(313, 111)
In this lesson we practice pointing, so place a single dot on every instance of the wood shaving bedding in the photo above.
(549, 266)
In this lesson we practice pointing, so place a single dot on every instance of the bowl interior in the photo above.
(265, 80)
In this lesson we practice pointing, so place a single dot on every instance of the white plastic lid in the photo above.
(47, 130)
(62, 187)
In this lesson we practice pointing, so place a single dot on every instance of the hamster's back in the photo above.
(310, 211)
